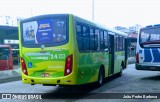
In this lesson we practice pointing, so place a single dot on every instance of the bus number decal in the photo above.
(58, 56)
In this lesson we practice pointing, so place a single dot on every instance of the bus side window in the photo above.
(115, 43)
(97, 40)
(86, 38)
(92, 43)
(120, 43)
(79, 37)
(105, 41)
(101, 40)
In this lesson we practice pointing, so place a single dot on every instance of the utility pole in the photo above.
(31, 13)
(92, 10)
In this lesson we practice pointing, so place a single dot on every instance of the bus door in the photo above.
(111, 55)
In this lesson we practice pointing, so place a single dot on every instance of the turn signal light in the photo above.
(68, 65)
(24, 68)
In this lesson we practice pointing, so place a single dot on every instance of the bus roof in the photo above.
(42, 16)
(111, 31)
(151, 26)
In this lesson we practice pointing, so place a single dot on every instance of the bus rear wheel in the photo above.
(100, 77)
(121, 70)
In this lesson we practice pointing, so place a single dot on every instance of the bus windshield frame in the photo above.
(45, 31)
(150, 37)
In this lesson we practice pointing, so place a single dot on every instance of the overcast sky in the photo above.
(107, 12)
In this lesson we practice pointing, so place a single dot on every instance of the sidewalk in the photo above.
(131, 60)
(15, 74)
(10, 75)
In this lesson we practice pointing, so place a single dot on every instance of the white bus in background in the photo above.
(148, 48)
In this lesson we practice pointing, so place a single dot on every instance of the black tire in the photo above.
(100, 78)
(121, 71)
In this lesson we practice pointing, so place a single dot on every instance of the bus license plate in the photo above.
(45, 74)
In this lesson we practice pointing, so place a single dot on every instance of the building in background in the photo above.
(130, 30)
(134, 29)
(9, 30)
(9, 21)
(122, 29)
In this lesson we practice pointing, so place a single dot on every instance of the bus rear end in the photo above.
(148, 49)
(46, 50)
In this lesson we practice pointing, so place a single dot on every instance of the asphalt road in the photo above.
(133, 85)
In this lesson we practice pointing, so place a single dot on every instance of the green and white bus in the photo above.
(63, 49)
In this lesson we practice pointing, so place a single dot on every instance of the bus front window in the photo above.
(4, 53)
(149, 37)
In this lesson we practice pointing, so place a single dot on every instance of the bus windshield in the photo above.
(46, 31)
(4, 53)
(150, 37)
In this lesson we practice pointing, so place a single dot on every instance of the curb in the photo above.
(10, 75)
